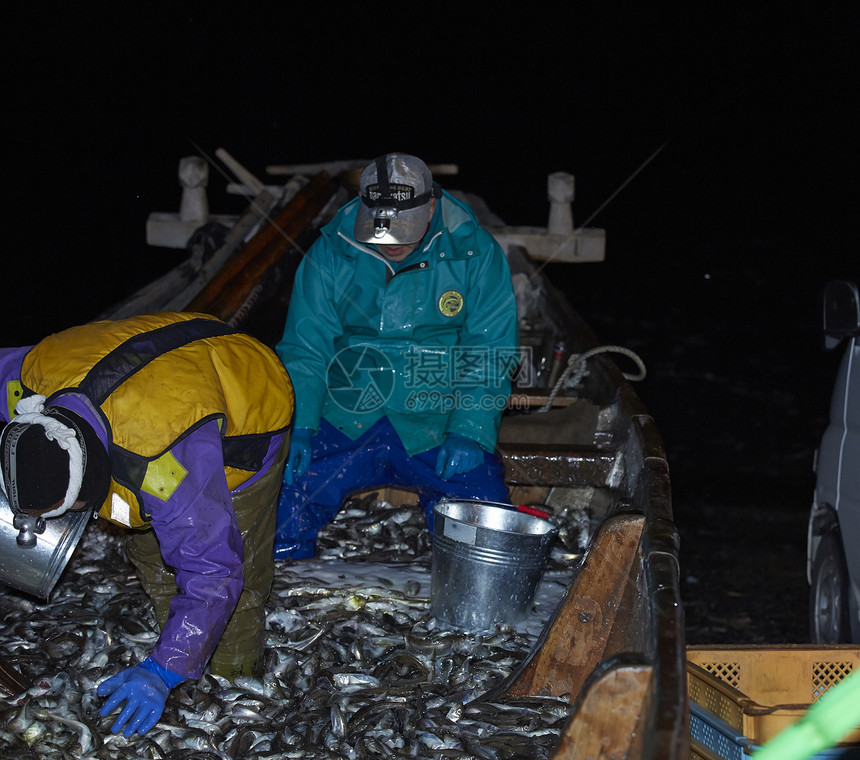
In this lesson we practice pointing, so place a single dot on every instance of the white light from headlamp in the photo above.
(382, 220)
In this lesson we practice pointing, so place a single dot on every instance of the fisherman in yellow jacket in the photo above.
(175, 426)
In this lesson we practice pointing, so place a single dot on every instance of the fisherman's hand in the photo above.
(144, 689)
(458, 455)
(300, 455)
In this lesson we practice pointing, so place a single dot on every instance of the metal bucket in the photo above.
(36, 569)
(488, 559)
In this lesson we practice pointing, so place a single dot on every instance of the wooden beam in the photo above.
(576, 641)
(550, 465)
(525, 400)
(223, 294)
(232, 299)
(608, 718)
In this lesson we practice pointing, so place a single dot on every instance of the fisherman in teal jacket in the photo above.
(400, 341)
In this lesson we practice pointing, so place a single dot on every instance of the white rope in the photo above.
(28, 411)
(578, 361)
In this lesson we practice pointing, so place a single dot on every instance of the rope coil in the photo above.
(577, 362)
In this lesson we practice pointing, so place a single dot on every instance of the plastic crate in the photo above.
(742, 696)
(699, 751)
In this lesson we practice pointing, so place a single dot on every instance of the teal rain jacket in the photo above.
(429, 342)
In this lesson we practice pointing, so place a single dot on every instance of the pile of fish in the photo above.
(355, 665)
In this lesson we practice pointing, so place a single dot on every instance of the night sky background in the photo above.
(717, 246)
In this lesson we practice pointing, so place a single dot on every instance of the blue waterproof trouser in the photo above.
(340, 466)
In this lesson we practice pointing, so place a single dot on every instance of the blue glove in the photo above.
(458, 455)
(144, 689)
(300, 455)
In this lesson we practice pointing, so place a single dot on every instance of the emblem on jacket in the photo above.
(450, 303)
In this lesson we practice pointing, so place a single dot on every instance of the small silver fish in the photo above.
(355, 666)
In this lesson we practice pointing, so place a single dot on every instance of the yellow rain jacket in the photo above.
(155, 379)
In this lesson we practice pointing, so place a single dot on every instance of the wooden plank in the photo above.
(242, 174)
(669, 734)
(231, 299)
(577, 638)
(351, 164)
(235, 275)
(607, 718)
(552, 465)
(526, 400)
(582, 245)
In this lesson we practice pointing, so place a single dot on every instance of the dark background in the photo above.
(717, 246)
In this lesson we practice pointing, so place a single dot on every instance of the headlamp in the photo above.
(382, 216)
(385, 212)
(396, 198)
(28, 526)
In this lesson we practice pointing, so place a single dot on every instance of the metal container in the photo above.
(488, 559)
(36, 569)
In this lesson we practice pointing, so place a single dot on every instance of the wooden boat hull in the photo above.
(615, 645)
(616, 642)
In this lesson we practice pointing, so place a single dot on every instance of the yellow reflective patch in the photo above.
(163, 476)
(14, 393)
